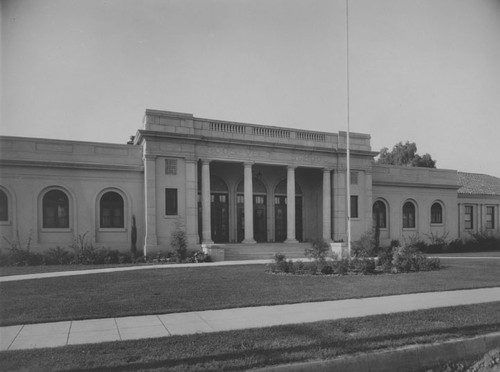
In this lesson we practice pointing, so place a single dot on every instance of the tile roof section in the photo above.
(478, 184)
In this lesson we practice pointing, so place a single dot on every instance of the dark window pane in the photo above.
(354, 206)
(408, 216)
(171, 202)
(112, 206)
(55, 209)
(4, 206)
(436, 213)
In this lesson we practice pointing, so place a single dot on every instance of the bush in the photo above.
(362, 265)
(178, 242)
(21, 256)
(365, 246)
(318, 251)
(408, 258)
(198, 256)
(384, 260)
(58, 256)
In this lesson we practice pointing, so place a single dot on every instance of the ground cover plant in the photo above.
(254, 348)
(83, 252)
(168, 290)
(397, 259)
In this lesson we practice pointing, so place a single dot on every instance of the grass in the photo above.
(22, 270)
(254, 348)
(203, 288)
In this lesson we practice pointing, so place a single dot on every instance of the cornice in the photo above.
(418, 185)
(231, 141)
(70, 165)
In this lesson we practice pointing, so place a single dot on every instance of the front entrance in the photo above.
(219, 218)
(280, 218)
(259, 218)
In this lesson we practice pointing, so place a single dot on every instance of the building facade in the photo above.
(225, 183)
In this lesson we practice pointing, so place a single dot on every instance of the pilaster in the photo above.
(290, 207)
(248, 203)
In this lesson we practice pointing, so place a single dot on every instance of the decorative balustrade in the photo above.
(270, 132)
(311, 136)
(226, 127)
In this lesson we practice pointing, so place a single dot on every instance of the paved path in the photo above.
(138, 327)
(12, 278)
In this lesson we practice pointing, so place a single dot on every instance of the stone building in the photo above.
(227, 183)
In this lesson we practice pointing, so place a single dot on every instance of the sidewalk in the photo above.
(55, 274)
(164, 325)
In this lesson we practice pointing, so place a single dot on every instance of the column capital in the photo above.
(291, 166)
(327, 169)
(205, 161)
(248, 163)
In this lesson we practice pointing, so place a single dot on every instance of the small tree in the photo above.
(133, 238)
(178, 242)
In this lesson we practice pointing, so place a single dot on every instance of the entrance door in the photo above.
(280, 219)
(259, 218)
(220, 218)
(240, 215)
(298, 218)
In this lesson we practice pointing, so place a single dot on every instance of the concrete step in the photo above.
(235, 252)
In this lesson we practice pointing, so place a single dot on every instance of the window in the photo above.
(354, 206)
(468, 218)
(408, 215)
(112, 210)
(55, 206)
(490, 217)
(171, 166)
(171, 202)
(4, 206)
(354, 178)
(379, 215)
(436, 213)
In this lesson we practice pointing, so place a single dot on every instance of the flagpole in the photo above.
(348, 153)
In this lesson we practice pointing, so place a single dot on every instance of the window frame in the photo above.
(123, 211)
(354, 206)
(441, 214)
(384, 214)
(408, 218)
(471, 214)
(7, 207)
(492, 220)
(174, 211)
(43, 210)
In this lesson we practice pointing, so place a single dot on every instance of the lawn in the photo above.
(254, 348)
(202, 288)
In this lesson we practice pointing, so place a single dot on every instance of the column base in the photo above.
(291, 241)
(249, 241)
(207, 242)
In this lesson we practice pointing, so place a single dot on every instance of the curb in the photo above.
(408, 358)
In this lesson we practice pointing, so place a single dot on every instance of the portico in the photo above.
(254, 184)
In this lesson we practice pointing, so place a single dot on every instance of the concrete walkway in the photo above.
(138, 327)
(11, 278)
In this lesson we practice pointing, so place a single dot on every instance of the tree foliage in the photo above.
(405, 155)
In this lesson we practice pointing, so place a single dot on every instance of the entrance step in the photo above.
(258, 251)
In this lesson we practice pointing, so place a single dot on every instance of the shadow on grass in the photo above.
(319, 345)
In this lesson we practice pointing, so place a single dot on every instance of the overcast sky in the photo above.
(425, 71)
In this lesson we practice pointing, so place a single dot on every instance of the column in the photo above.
(205, 203)
(248, 203)
(290, 205)
(327, 204)
(460, 219)
(150, 239)
(191, 203)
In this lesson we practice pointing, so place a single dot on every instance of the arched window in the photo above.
(379, 215)
(4, 206)
(55, 206)
(436, 213)
(408, 215)
(112, 210)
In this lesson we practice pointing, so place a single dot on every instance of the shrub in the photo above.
(408, 258)
(384, 260)
(21, 256)
(178, 243)
(362, 265)
(365, 246)
(437, 243)
(198, 256)
(318, 251)
(85, 252)
(58, 256)
(485, 241)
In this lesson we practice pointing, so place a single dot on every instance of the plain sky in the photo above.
(427, 71)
